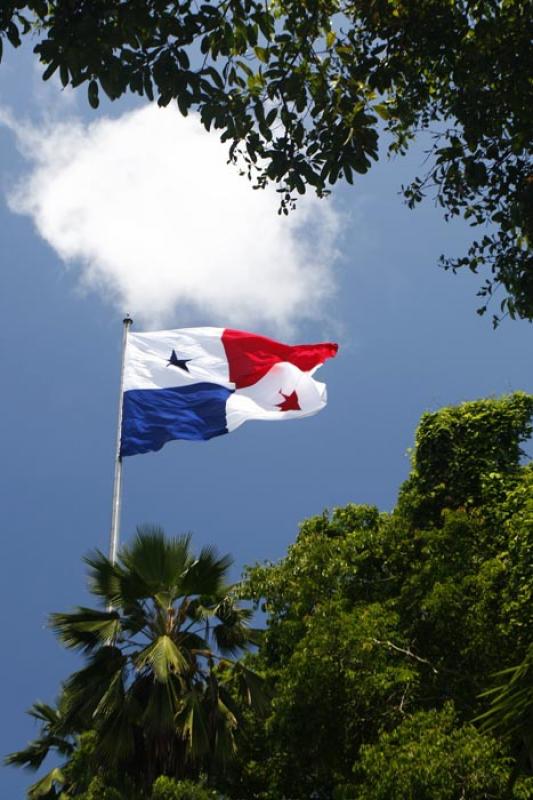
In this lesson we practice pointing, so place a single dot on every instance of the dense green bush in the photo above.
(431, 756)
(375, 619)
(169, 789)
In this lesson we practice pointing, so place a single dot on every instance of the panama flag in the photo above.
(196, 383)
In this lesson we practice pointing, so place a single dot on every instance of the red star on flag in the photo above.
(290, 403)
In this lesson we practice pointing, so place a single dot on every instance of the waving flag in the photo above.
(196, 383)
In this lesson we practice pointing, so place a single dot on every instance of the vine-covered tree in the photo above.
(384, 630)
(304, 91)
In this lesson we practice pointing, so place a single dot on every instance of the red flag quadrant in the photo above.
(251, 356)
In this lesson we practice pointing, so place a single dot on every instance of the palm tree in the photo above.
(55, 735)
(160, 686)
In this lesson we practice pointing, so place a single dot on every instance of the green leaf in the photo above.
(40, 7)
(63, 74)
(331, 38)
(92, 93)
(271, 116)
(261, 54)
(13, 34)
(382, 110)
(50, 69)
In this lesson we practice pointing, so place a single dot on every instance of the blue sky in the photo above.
(361, 268)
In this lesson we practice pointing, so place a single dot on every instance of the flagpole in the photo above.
(117, 485)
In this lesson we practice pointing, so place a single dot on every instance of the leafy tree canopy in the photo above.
(377, 621)
(430, 757)
(303, 92)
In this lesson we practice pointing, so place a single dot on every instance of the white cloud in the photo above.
(147, 208)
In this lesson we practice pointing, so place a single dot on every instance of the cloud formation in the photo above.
(160, 225)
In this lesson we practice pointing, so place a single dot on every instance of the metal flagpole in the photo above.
(117, 485)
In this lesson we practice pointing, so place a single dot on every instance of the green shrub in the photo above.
(431, 757)
(169, 789)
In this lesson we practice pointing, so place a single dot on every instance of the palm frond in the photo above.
(45, 786)
(224, 725)
(192, 722)
(229, 612)
(115, 740)
(230, 640)
(232, 634)
(85, 688)
(229, 701)
(207, 575)
(104, 579)
(159, 715)
(192, 642)
(112, 699)
(85, 628)
(55, 735)
(163, 657)
(43, 712)
(156, 562)
(31, 756)
(200, 610)
(511, 702)
(250, 687)
(135, 617)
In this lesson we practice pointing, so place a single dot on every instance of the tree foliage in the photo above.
(304, 91)
(159, 686)
(165, 788)
(429, 756)
(377, 622)
(397, 649)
